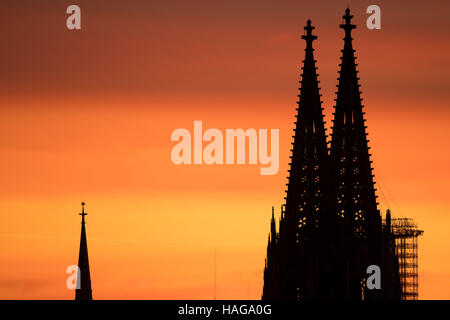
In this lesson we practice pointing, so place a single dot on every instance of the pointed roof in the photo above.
(308, 173)
(356, 200)
(85, 291)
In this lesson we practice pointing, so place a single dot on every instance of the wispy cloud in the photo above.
(24, 236)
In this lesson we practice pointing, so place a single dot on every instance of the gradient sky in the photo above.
(87, 116)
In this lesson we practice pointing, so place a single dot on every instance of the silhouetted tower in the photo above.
(307, 211)
(359, 221)
(85, 291)
(271, 289)
(330, 227)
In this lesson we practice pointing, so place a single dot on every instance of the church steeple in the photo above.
(308, 174)
(356, 200)
(359, 221)
(85, 291)
(307, 194)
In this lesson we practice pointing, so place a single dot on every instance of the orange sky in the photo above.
(87, 116)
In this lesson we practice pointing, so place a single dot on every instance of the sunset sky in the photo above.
(87, 116)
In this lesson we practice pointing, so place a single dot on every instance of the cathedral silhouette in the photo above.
(331, 232)
(330, 229)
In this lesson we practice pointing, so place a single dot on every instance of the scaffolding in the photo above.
(406, 232)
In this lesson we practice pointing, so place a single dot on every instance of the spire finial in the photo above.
(82, 214)
(308, 36)
(348, 26)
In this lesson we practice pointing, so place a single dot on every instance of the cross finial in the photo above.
(348, 26)
(82, 214)
(308, 36)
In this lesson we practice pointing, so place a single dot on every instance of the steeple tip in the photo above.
(308, 36)
(347, 25)
(82, 214)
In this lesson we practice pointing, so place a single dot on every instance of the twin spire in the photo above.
(330, 227)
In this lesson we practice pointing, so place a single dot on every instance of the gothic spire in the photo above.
(356, 200)
(309, 157)
(85, 291)
(307, 194)
(359, 221)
